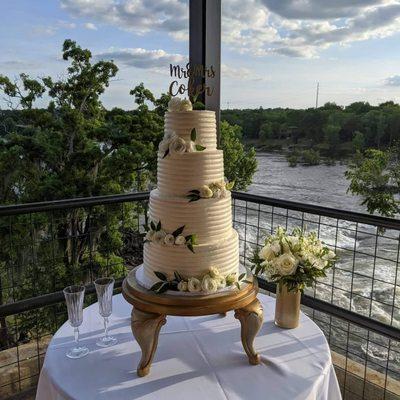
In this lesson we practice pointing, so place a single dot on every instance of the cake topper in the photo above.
(190, 72)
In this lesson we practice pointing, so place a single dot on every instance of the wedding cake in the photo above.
(190, 245)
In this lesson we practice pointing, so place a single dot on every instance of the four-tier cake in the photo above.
(190, 245)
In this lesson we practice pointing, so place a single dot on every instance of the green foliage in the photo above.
(72, 148)
(358, 141)
(330, 125)
(310, 157)
(240, 164)
(375, 176)
(293, 158)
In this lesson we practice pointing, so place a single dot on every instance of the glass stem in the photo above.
(105, 327)
(76, 335)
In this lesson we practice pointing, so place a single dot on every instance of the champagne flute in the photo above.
(104, 290)
(74, 296)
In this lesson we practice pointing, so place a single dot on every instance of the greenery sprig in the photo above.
(193, 137)
(197, 105)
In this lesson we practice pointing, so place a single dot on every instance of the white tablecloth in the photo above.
(197, 358)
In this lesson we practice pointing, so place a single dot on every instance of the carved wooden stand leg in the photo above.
(146, 328)
(251, 320)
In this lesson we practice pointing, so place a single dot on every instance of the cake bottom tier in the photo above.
(223, 255)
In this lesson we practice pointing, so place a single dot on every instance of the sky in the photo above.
(273, 51)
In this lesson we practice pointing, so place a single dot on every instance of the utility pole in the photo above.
(317, 97)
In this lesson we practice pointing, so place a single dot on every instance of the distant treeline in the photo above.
(332, 130)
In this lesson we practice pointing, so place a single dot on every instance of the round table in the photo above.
(197, 358)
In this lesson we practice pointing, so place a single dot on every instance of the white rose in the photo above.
(286, 264)
(183, 286)
(329, 256)
(293, 240)
(186, 105)
(276, 247)
(213, 272)
(194, 285)
(221, 282)
(224, 193)
(169, 240)
(269, 271)
(180, 240)
(205, 192)
(266, 253)
(231, 279)
(159, 236)
(177, 145)
(169, 135)
(149, 235)
(209, 284)
(174, 104)
(217, 194)
(190, 147)
(220, 185)
(163, 146)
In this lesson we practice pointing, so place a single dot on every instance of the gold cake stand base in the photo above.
(149, 313)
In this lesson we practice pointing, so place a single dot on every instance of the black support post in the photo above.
(205, 47)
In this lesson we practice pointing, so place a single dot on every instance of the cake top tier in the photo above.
(181, 119)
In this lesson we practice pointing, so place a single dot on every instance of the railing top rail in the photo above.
(382, 222)
(71, 203)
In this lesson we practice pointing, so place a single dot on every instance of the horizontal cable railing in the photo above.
(47, 245)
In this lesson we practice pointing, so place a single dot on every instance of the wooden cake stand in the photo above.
(149, 313)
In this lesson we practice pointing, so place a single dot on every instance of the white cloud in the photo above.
(393, 80)
(240, 73)
(90, 26)
(157, 60)
(133, 15)
(294, 28)
(51, 30)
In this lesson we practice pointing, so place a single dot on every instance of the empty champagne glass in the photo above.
(74, 296)
(104, 289)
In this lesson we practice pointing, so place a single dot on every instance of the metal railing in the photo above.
(46, 246)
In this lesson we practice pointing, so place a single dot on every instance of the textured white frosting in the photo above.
(223, 254)
(209, 219)
(179, 173)
(182, 123)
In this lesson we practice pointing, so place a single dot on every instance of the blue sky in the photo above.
(274, 51)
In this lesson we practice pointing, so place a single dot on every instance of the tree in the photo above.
(266, 131)
(375, 176)
(358, 141)
(332, 137)
(240, 164)
(72, 148)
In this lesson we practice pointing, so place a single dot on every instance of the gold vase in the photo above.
(287, 307)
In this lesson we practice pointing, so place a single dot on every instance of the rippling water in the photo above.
(320, 184)
(365, 277)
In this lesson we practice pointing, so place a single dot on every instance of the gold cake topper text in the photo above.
(190, 72)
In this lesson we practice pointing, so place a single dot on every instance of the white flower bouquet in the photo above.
(295, 260)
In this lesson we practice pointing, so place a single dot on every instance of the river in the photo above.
(321, 184)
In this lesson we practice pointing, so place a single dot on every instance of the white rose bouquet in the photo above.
(295, 260)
